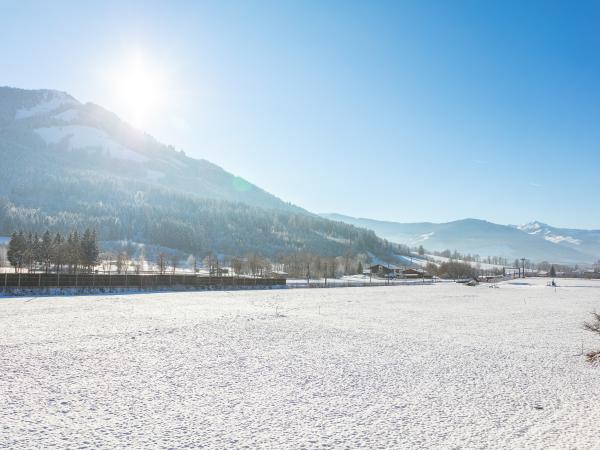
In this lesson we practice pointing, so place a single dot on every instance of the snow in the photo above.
(68, 116)
(558, 239)
(83, 137)
(425, 236)
(354, 281)
(531, 228)
(539, 228)
(51, 101)
(154, 175)
(434, 366)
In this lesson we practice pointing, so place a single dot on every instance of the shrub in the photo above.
(593, 327)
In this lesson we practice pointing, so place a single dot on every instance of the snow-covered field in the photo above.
(425, 366)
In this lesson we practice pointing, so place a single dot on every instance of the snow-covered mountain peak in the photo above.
(549, 233)
(47, 101)
(534, 227)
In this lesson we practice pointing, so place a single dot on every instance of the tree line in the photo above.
(133, 211)
(72, 253)
(467, 257)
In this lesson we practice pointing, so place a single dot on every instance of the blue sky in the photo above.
(404, 110)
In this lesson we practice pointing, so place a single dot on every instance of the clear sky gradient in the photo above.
(403, 110)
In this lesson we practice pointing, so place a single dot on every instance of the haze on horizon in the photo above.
(411, 111)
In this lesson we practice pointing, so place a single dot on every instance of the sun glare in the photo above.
(138, 86)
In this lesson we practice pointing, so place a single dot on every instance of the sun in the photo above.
(138, 87)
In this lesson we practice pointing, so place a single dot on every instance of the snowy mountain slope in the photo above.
(587, 241)
(67, 165)
(535, 241)
(85, 134)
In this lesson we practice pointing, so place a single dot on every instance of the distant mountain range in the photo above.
(535, 240)
(69, 165)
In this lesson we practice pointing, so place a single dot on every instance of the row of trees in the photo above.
(77, 252)
(452, 270)
(129, 211)
(310, 265)
(467, 257)
(296, 265)
(73, 253)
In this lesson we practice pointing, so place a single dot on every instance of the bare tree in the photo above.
(122, 262)
(210, 262)
(175, 259)
(161, 263)
(141, 260)
(236, 266)
(192, 264)
(107, 259)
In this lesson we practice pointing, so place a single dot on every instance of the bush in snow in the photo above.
(594, 327)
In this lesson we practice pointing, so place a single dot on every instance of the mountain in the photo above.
(69, 165)
(535, 241)
(55, 123)
(585, 241)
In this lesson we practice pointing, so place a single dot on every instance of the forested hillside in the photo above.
(69, 166)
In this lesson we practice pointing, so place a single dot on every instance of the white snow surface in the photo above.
(434, 366)
(84, 137)
(51, 101)
(68, 116)
(154, 175)
(425, 236)
(556, 238)
(538, 228)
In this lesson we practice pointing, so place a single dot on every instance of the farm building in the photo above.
(383, 270)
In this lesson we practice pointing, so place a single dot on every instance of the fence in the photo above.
(133, 281)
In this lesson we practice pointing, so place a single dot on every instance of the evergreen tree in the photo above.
(36, 251)
(45, 252)
(73, 251)
(58, 252)
(89, 250)
(16, 251)
(552, 272)
(28, 258)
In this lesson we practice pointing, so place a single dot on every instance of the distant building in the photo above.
(391, 270)
(415, 273)
(382, 270)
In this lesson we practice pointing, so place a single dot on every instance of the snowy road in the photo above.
(441, 366)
